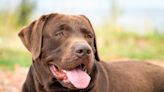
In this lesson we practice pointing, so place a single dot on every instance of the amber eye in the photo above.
(89, 36)
(59, 34)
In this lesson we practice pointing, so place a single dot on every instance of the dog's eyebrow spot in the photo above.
(85, 30)
(64, 27)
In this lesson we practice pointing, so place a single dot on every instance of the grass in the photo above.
(123, 44)
(11, 57)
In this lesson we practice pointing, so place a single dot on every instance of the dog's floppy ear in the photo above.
(95, 44)
(96, 53)
(31, 36)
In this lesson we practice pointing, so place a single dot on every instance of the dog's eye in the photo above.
(59, 34)
(89, 35)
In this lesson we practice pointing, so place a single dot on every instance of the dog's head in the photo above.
(63, 47)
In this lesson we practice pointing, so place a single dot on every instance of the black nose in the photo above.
(82, 49)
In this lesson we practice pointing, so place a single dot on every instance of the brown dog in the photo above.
(65, 59)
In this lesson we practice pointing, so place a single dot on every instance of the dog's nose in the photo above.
(82, 49)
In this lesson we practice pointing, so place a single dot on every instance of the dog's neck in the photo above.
(55, 86)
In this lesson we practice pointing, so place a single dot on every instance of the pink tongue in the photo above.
(78, 78)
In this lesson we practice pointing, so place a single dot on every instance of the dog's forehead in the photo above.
(72, 20)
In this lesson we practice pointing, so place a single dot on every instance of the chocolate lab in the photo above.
(65, 59)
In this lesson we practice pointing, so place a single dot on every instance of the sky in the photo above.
(136, 14)
(94, 9)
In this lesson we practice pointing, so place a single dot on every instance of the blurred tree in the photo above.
(116, 11)
(24, 11)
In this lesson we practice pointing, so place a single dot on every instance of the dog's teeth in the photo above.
(84, 67)
(81, 66)
(85, 70)
(64, 71)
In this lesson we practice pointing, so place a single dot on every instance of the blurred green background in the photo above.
(132, 29)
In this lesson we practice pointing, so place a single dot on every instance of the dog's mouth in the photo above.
(77, 77)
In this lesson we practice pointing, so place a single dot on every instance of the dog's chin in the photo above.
(75, 78)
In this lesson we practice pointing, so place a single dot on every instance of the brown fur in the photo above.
(51, 39)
